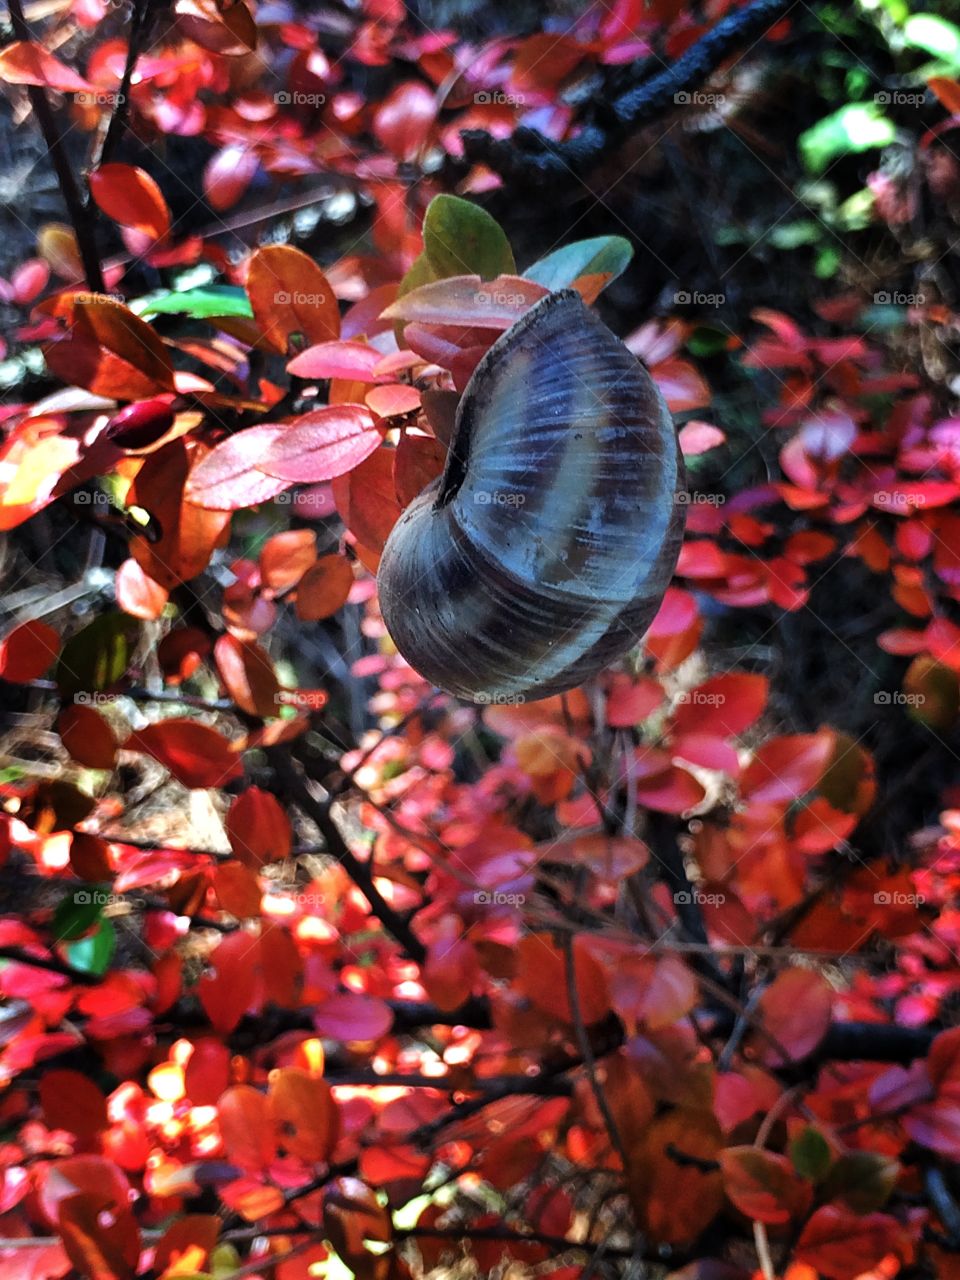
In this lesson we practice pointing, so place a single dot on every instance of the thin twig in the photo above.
(118, 120)
(586, 1050)
(79, 212)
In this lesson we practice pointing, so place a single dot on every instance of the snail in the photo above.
(543, 551)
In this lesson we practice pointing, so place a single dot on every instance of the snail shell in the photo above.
(543, 551)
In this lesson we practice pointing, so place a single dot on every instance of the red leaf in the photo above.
(228, 174)
(230, 990)
(843, 1245)
(795, 1010)
(350, 1017)
(786, 768)
(353, 361)
(87, 736)
(28, 651)
(132, 198)
(228, 478)
(322, 445)
(101, 1237)
(73, 1102)
(258, 828)
(195, 754)
(403, 120)
(724, 705)
(286, 557)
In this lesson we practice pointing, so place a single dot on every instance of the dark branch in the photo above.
(529, 156)
(80, 213)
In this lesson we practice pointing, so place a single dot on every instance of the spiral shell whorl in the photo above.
(543, 552)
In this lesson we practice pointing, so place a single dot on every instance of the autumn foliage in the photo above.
(309, 970)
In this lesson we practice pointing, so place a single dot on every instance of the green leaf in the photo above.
(603, 255)
(858, 126)
(96, 657)
(461, 239)
(863, 1180)
(810, 1154)
(204, 303)
(93, 953)
(78, 911)
(934, 35)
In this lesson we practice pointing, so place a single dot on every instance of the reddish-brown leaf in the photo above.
(323, 589)
(28, 651)
(87, 736)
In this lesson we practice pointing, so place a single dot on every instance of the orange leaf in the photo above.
(323, 589)
(248, 676)
(246, 1127)
(673, 1195)
(130, 197)
(286, 557)
(304, 1113)
(291, 295)
(24, 62)
(106, 349)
